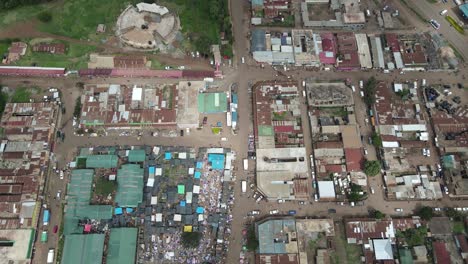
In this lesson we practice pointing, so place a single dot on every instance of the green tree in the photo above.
(369, 91)
(378, 215)
(372, 167)
(415, 236)
(77, 111)
(191, 239)
(376, 139)
(3, 101)
(355, 193)
(425, 213)
(45, 17)
(252, 241)
(404, 94)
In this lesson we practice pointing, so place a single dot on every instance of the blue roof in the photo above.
(129, 210)
(182, 203)
(464, 9)
(199, 164)
(258, 40)
(217, 161)
(234, 98)
(118, 211)
(272, 230)
(234, 116)
(200, 210)
(257, 3)
(151, 170)
(167, 155)
(197, 175)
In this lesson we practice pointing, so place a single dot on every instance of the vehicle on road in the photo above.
(50, 256)
(434, 24)
(272, 212)
(424, 152)
(246, 164)
(254, 212)
(259, 198)
(353, 88)
(244, 186)
(280, 201)
(301, 202)
(61, 174)
(361, 93)
(366, 152)
(398, 210)
(292, 212)
(437, 209)
(44, 236)
(205, 120)
(428, 152)
(55, 229)
(361, 84)
(243, 60)
(443, 12)
(372, 190)
(316, 197)
(46, 217)
(332, 211)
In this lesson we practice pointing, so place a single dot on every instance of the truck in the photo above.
(44, 236)
(244, 186)
(45, 217)
(50, 256)
(246, 164)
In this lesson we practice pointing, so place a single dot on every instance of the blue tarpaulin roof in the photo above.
(151, 170)
(118, 211)
(200, 210)
(197, 175)
(199, 164)
(234, 98)
(217, 161)
(129, 210)
(182, 203)
(234, 116)
(167, 155)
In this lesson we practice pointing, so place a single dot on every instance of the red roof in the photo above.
(462, 242)
(354, 159)
(284, 129)
(392, 41)
(32, 71)
(335, 168)
(440, 251)
(328, 54)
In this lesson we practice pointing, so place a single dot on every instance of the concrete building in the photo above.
(17, 245)
(306, 51)
(328, 94)
(363, 51)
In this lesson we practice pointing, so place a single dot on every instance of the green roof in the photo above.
(265, 131)
(102, 161)
(122, 246)
(129, 185)
(136, 155)
(181, 189)
(79, 196)
(210, 103)
(405, 256)
(83, 249)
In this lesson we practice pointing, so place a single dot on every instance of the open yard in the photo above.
(75, 57)
(79, 18)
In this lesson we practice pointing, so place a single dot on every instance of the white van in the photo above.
(244, 186)
(246, 164)
(443, 12)
(362, 93)
(50, 256)
(243, 60)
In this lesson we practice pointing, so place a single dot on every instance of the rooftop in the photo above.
(277, 236)
(20, 252)
(83, 249)
(122, 245)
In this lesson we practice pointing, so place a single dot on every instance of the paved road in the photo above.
(431, 11)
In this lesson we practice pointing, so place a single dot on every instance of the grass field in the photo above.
(4, 48)
(22, 13)
(21, 95)
(79, 18)
(76, 57)
(105, 187)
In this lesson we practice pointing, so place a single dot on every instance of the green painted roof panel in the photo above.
(122, 246)
(83, 249)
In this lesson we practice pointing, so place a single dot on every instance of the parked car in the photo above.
(361, 84)
(434, 24)
(443, 12)
(59, 193)
(205, 120)
(292, 212)
(61, 174)
(301, 202)
(398, 210)
(55, 229)
(254, 212)
(353, 88)
(437, 209)
(280, 201)
(332, 211)
(259, 198)
(272, 212)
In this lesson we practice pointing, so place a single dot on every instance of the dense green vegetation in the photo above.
(413, 236)
(202, 21)
(369, 91)
(105, 187)
(10, 4)
(425, 213)
(3, 101)
(252, 241)
(77, 110)
(376, 140)
(355, 194)
(404, 94)
(191, 239)
(21, 95)
(45, 17)
(372, 167)
(455, 25)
